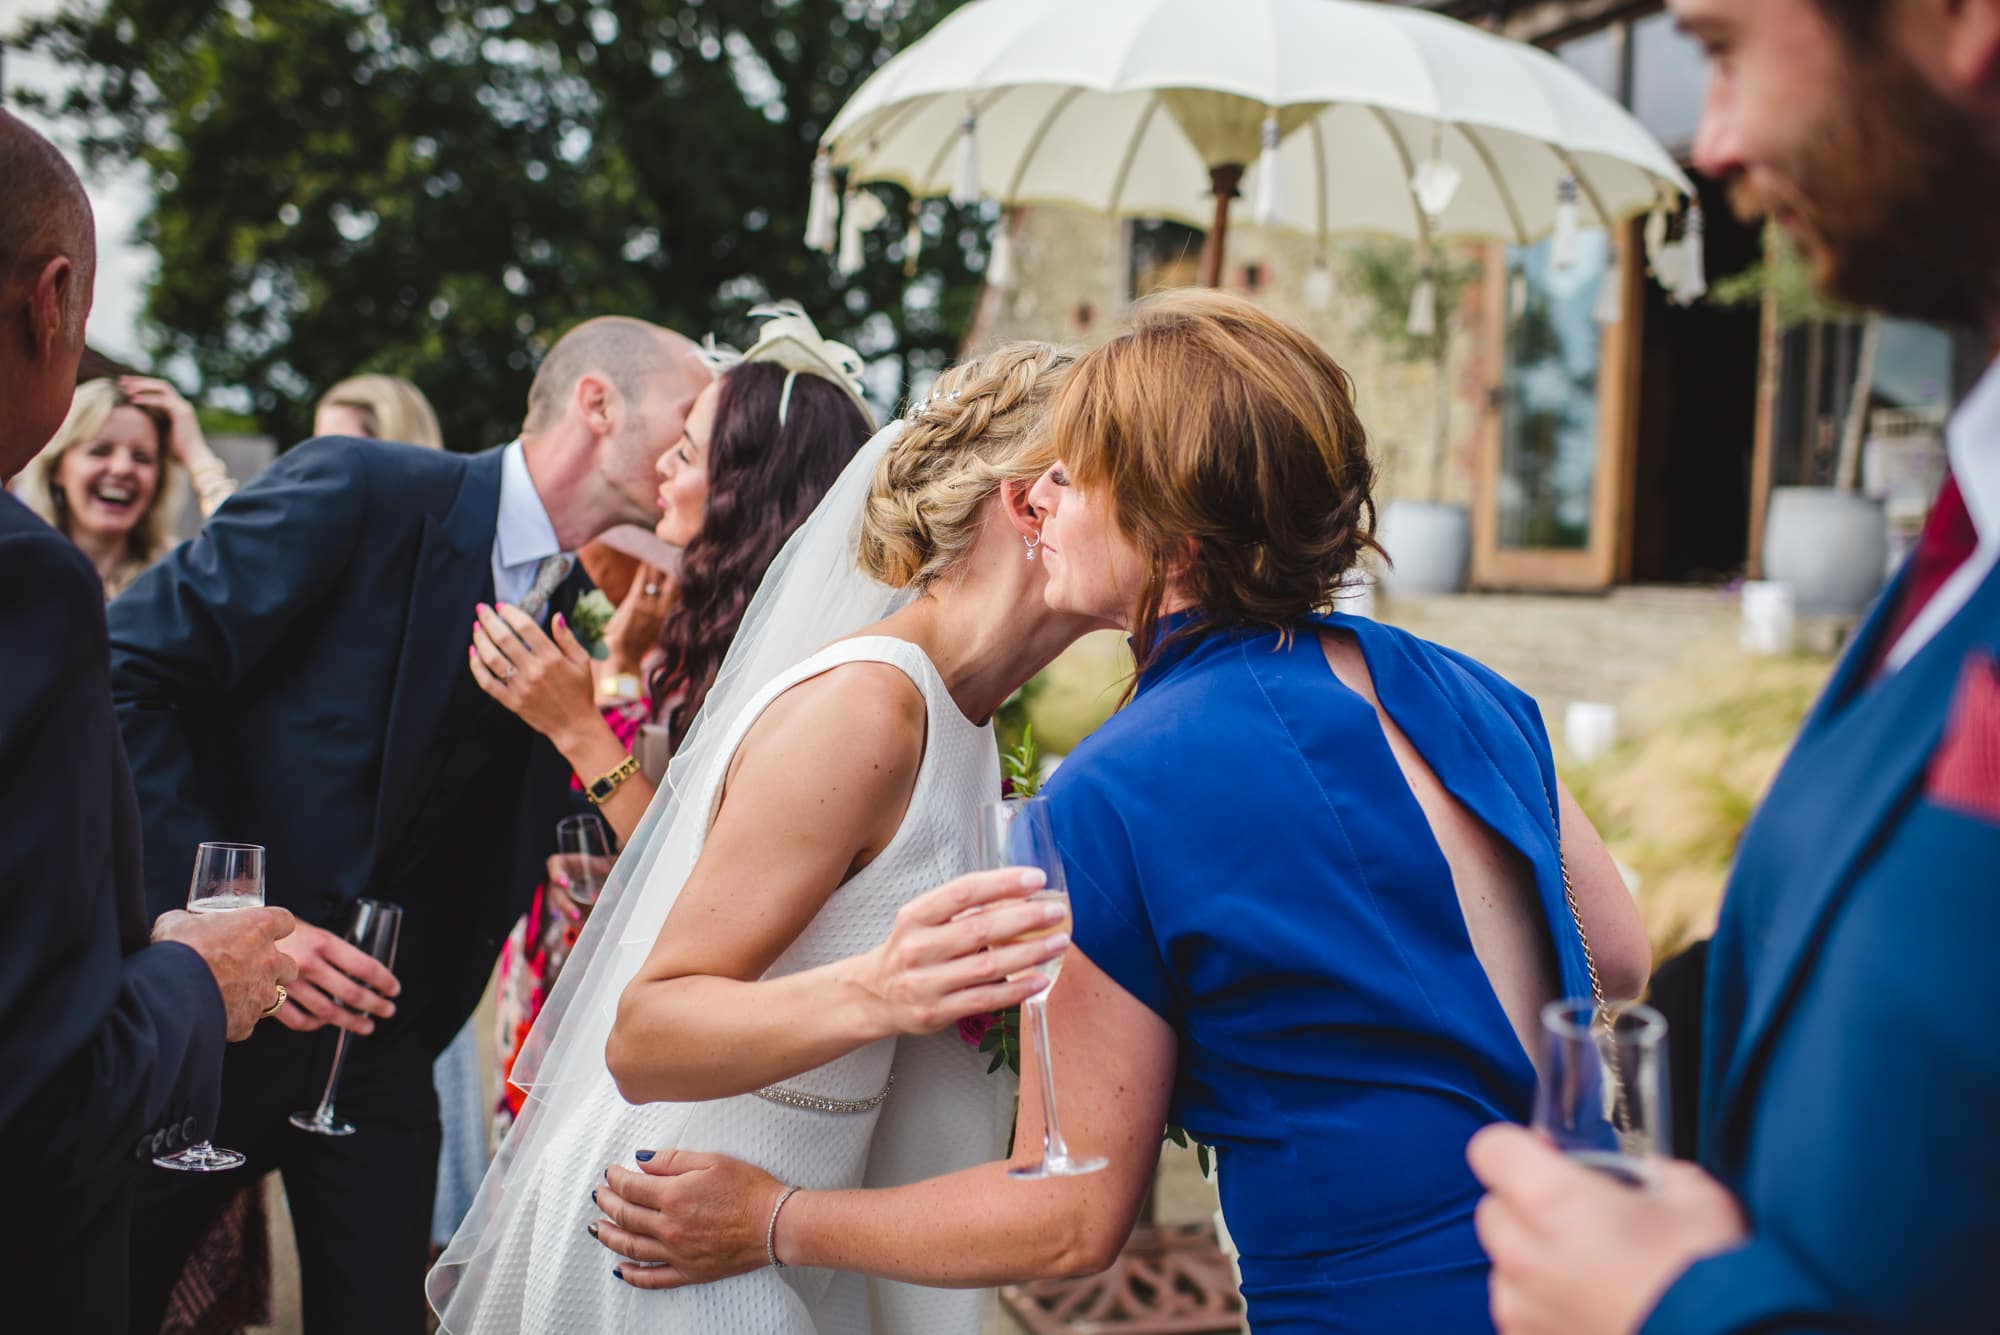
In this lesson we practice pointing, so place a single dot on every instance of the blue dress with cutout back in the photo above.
(1247, 860)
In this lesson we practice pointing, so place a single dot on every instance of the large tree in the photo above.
(437, 188)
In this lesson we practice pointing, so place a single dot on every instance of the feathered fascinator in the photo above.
(790, 339)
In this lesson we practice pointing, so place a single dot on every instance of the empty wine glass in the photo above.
(373, 930)
(584, 847)
(1017, 833)
(226, 877)
(1602, 1098)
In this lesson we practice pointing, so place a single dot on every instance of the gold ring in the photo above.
(277, 1005)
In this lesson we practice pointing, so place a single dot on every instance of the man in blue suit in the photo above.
(110, 1044)
(1850, 1090)
(297, 674)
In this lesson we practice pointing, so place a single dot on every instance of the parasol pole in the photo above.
(1225, 179)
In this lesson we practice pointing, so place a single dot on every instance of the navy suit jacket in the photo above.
(295, 676)
(1851, 1082)
(111, 1048)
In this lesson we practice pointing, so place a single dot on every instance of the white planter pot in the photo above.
(1429, 544)
(1831, 547)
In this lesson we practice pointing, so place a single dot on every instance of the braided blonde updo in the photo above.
(980, 428)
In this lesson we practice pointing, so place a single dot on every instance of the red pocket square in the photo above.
(1965, 772)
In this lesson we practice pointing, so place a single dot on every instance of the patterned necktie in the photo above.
(549, 576)
(1948, 540)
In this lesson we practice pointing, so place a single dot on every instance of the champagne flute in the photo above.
(226, 877)
(1602, 1098)
(1017, 833)
(374, 929)
(584, 846)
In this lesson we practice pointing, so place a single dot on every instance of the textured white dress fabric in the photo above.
(544, 1274)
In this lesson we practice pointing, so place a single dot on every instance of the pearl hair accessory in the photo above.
(921, 407)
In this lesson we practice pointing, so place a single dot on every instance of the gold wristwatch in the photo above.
(601, 788)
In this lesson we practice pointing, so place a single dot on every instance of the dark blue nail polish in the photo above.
(591, 1228)
(617, 1273)
(593, 1198)
(643, 1156)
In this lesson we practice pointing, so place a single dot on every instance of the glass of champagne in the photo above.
(373, 930)
(584, 846)
(226, 877)
(1602, 1098)
(1017, 833)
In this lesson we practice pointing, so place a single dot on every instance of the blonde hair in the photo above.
(979, 429)
(153, 535)
(391, 407)
(1229, 443)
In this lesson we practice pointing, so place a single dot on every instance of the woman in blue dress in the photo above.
(1315, 867)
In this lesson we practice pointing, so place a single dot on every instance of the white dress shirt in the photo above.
(1972, 442)
(523, 536)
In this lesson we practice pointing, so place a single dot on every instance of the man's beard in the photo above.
(1896, 194)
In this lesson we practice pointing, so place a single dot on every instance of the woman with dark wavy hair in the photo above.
(760, 447)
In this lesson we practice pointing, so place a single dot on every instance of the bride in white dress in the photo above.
(717, 986)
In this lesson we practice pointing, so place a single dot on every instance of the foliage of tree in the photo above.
(437, 188)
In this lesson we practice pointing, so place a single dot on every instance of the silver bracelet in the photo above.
(771, 1230)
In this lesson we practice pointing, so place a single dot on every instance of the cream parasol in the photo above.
(1333, 116)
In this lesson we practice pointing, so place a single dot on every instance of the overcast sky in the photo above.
(119, 201)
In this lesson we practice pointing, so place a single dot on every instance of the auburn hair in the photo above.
(1228, 443)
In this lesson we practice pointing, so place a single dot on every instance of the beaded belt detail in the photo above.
(793, 1098)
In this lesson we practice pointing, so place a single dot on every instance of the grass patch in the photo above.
(1701, 745)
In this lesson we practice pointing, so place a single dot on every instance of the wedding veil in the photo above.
(814, 593)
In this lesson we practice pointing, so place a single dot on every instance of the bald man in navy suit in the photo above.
(111, 1033)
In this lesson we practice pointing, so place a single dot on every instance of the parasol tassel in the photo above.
(913, 242)
(823, 211)
(1691, 285)
(1000, 260)
(1435, 182)
(965, 190)
(1320, 286)
(1270, 193)
(1656, 237)
(1424, 306)
(1610, 297)
(1562, 254)
(863, 211)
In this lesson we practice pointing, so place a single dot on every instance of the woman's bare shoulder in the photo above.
(862, 719)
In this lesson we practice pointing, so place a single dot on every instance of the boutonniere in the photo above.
(588, 621)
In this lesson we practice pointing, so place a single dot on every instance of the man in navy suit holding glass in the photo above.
(297, 674)
(111, 1035)
(1850, 1090)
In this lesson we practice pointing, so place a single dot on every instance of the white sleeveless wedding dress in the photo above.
(941, 1112)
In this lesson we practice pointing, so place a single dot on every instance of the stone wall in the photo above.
(1070, 285)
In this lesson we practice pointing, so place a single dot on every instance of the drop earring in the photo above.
(1032, 541)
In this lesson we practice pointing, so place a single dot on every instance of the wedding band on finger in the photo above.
(277, 1005)
(652, 590)
(508, 675)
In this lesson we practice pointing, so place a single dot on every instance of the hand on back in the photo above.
(241, 949)
(957, 952)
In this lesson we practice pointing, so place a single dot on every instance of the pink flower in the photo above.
(973, 1027)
